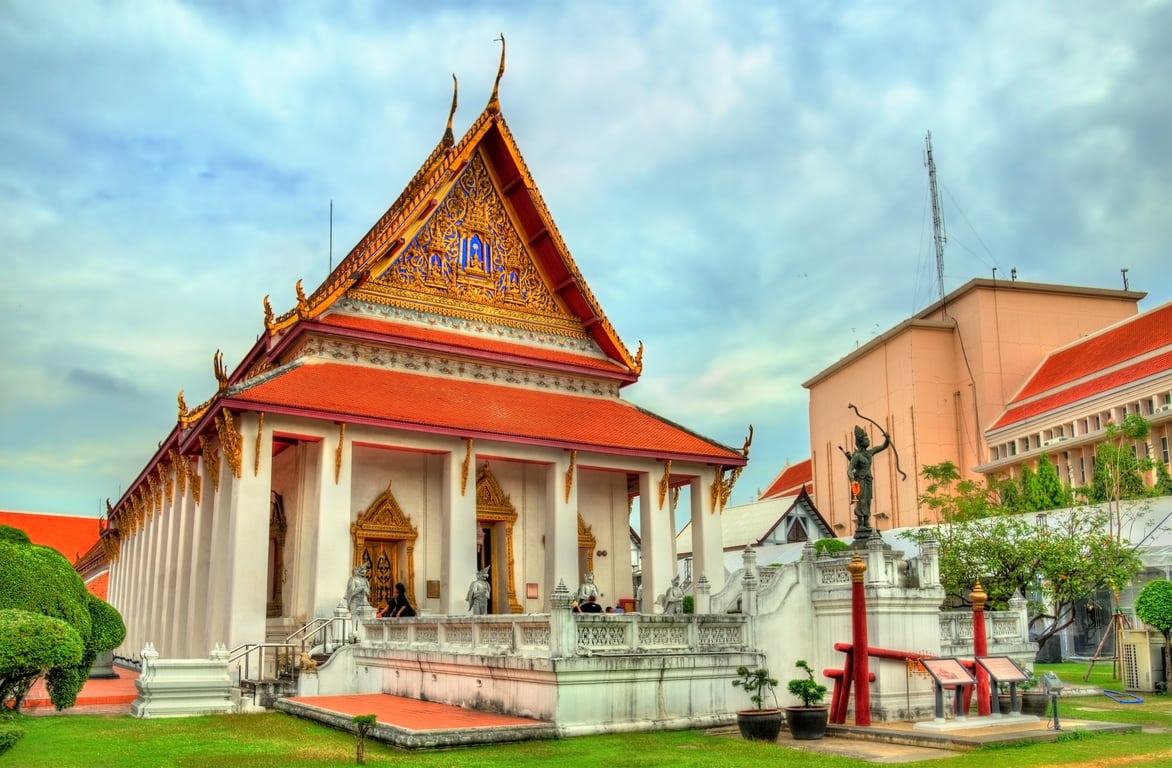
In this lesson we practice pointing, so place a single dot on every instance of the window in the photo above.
(1164, 448)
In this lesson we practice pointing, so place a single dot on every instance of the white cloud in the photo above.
(742, 185)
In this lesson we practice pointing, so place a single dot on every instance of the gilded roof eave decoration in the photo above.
(722, 486)
(230, 440)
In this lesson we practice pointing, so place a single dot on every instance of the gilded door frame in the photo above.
(384, 520)
(494, 506)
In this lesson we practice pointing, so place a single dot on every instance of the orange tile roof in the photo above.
(470, 408)
(1125, 341)
(450, 338)
(99, 586)
(69, 535)
(1085, 389)
(791, 480)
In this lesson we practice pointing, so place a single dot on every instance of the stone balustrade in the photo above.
(530, 635)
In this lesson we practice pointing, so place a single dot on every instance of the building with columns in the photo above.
(447, 400)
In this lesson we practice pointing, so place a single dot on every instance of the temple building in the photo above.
(447, 401)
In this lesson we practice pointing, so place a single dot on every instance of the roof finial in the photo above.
(449, 137)
(494, 102)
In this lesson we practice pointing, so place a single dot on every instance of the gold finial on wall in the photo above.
(714, 489)
(464, 469)
(494, 102)
(182, 408)
(639, 359)
(268, 313)
(260, 425)
(664, 482)
(338, 452)
(570, 474)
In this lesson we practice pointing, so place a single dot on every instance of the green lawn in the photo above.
(275, 739)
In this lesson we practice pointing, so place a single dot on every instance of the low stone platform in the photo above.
(414, 724)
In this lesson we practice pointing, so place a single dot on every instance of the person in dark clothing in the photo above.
(591, 605)
(400, 608)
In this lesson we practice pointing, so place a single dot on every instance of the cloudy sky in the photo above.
(742, 185)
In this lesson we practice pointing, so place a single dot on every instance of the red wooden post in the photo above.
(980, 648)
(859, 642)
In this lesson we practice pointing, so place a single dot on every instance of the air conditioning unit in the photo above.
(1163, 408)
(1052, 441)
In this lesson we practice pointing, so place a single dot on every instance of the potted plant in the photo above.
(809, 720)
(760, 723)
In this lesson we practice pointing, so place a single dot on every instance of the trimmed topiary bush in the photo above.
(40, 581)
(32, 644)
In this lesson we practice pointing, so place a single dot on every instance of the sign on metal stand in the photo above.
(1003, 669)
(948, 673)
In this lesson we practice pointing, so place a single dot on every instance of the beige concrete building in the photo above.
(938, 381)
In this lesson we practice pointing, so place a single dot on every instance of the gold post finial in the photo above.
(979, 597)
(494, 102)
(856, 567)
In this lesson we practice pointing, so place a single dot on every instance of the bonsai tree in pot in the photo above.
(809, 720)
(760, 723)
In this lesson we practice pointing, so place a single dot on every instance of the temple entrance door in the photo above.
(486, 558)
(274, 588)
(383, 561)
(384, 540)
(495, 517)
(586, 545)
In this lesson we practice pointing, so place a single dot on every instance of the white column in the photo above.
(166, 601)
(185, 554)
(152, 578)
(333, 550)
(707, 537)
(655, 530)
(215, 625)
(458, 547)
(197, 609)
(561, 529)
(137, 613)
(248, 541)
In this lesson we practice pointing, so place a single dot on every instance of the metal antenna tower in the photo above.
(939, 236)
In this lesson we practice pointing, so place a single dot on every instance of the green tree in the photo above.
(1163, 480)
(1052, 492)
(39, 580)
(1117, 469)
(1058, 562)
(1153, 606)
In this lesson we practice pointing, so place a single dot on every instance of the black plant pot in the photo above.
(807, 723)
(759, 724)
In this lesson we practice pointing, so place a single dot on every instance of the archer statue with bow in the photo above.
(859, 471)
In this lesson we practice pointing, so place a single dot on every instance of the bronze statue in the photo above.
(862, 480)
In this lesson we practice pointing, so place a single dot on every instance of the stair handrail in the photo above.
(312, 628)
(245, 651)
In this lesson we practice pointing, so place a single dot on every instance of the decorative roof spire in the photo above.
(449, 137)
(494, 102)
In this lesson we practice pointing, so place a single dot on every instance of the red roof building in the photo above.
(448, 400)
(1065, 406)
